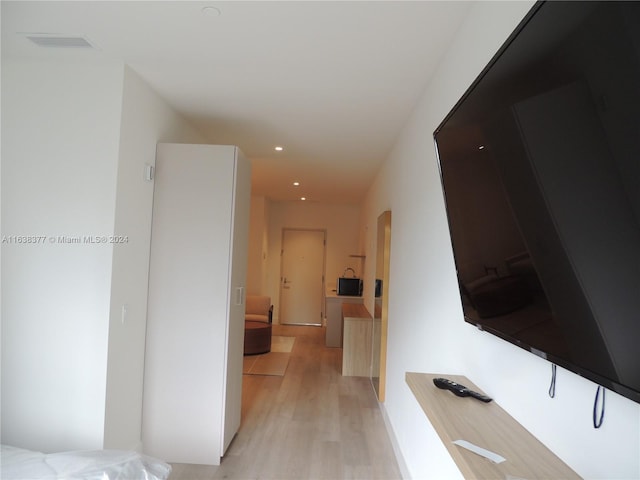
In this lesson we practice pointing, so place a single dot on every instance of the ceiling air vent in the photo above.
(59, 41)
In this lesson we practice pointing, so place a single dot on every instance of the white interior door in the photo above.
(302, 277)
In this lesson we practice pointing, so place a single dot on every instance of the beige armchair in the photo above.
(258, 308)
(258, 318)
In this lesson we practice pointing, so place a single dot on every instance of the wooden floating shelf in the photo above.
(488, 426)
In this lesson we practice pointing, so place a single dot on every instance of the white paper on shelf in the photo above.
(494, 457)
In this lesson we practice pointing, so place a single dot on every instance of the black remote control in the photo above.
(459, 390)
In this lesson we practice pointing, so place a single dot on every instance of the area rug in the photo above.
(273, 363)
(282, 344)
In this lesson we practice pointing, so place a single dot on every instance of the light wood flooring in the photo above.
(312, 423)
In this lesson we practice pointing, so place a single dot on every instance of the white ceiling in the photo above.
(331, 81)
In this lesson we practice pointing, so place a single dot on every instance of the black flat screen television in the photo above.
(540, 167)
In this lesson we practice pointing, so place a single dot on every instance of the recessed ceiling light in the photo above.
(211, 11)
(481, 147)
(296, 184)
(303, 198)
(279, 149)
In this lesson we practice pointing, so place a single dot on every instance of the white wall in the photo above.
(377, 201)
(60, 132)
(258, 246)
(341, 224)
(75, 141)
(146, 120)
(425, 316)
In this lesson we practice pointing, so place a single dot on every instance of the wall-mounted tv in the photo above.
(540, 167)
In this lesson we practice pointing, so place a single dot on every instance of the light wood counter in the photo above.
(488, 426)
(356, 347)
(355, 310)
(333, 309)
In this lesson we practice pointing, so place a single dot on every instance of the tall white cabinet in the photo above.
(195, 325)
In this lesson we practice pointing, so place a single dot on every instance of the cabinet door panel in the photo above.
(188, 312)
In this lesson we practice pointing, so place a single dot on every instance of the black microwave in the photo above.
(349, 286)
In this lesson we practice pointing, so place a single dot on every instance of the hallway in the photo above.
(312, 423)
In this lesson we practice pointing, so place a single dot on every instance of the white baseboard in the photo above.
(404, 471)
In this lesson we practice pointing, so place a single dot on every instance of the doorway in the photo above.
(302, 276)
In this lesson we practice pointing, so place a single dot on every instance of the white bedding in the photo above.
(20, 464)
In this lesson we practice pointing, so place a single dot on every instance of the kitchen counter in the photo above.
(333, 309)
